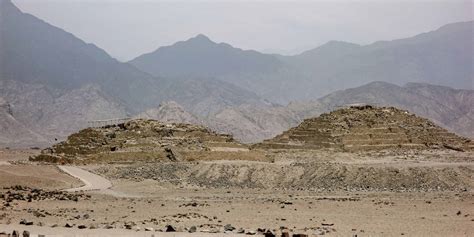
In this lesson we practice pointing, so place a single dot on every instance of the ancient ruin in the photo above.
(365, 127)
(140, 139)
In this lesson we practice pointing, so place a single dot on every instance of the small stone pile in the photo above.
(21, 193)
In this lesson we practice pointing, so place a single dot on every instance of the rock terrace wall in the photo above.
(367, 128)
(135, 140)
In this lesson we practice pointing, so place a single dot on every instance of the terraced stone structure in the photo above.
(365, 127)
(138, 140)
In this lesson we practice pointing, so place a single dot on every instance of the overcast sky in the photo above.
(128, 28)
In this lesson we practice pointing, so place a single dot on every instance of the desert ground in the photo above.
(178, 195)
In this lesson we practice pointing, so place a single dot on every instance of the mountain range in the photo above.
(52, 83)
(441, 57)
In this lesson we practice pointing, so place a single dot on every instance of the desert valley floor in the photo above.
(144, 206)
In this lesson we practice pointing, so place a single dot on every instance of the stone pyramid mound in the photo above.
(138, 139)
(365, 127)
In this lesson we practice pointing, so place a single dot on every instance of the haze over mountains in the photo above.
(53, 83)
(442, 57)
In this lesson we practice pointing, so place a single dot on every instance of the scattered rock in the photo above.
(251, 232)
(327, 224)
(192, 229)
(170, 228)
(229, 227)
(269, 234)
(300, 235)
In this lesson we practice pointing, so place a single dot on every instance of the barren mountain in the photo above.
(205, 97)
(201, 57)
(170, 112)
(249, 123)
(56, 113)
(33, 51)
(14, 133)
(330, 67)
(340, 65)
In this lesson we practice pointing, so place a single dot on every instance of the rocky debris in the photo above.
(194, 204)
(229, 227)
(327, 224)
(251, 232)
(363, 128)
(317, 176)
(129, 225)
(25, 222)
(21, 193)
(147, 140)
(300, 235)
(269, 234)
(170, 228)
(192, 229)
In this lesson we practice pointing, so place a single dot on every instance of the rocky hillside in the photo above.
(14, 132)
(364, 127)
(249, 123)
(56, 113)
(35, 52)
(141, 140)
(170, 112)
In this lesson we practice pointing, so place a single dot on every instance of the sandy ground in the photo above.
(66, 232)
(27, 174)
(153, 204)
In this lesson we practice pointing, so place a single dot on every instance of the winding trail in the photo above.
(91, 181)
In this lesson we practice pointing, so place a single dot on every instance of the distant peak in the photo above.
(336, 43)
(379, 84)
(201, 38)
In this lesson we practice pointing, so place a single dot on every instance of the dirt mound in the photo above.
(364, 127)
(137, 140)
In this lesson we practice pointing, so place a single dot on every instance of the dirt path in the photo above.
(91, 181)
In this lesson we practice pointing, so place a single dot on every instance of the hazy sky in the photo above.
(128, 28)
